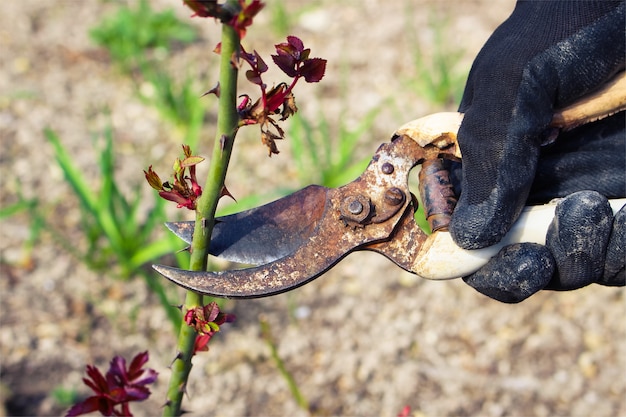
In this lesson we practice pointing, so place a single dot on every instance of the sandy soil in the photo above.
(367, 338)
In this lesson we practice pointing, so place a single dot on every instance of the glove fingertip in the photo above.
(478, 226)
(515, 273)
(578, 238)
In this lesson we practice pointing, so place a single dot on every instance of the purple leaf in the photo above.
(260, 64)
(296, 43)
(254, 77)
(313, 69)
(285, 62)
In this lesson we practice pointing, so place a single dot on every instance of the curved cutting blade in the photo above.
(263, 234)
(353, 217)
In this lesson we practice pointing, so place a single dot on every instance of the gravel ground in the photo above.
(365, 339)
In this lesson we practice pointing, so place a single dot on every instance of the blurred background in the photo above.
(93, 92)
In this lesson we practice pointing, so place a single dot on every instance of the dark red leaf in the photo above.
(313, 69)
(254, 77)
(248, 57)
(286, 63)
(98, 383)
(204, 8)
(296, 43)
(137, 375)
(211, 311)
(117, 388)
(225, 318)
(135, 365)
(260, 64)
(135, 393)
(117, 375)
(178, 199)
(90, 405)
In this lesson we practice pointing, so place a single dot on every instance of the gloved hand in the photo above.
(585, 244)
(545, 56)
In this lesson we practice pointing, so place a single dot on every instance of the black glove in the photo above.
(545, 56)
(585, 244)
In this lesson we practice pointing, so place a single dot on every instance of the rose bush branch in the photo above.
(205, 212)
(114, 391)
(202, 321)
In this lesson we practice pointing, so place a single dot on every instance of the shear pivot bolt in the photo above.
(355, 207)
(394, 196)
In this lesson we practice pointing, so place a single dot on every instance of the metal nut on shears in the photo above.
(356, 210)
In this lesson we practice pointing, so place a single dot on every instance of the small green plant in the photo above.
(281, 21)
(176, 101)
(36, 224)
(116, 234)
(266, 333)
(133, 37)
(321, 160)
(137, 40)
(65, 397)
(438, 78)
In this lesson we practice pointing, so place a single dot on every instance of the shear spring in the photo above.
(437, 194)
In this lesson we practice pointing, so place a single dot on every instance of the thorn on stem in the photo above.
(223, 140)
(215, 90)
(234, 60)
(225, 192)
(185, 249)
(205, 226)
(183, 388)
(179, 355)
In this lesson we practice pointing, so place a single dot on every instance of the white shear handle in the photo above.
(440, 258)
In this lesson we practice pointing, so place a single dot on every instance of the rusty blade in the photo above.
(355, 216)
(330, 242)
(263, 234)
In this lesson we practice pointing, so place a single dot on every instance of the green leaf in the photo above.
(12, 209)
(72, 173)
(191, 161)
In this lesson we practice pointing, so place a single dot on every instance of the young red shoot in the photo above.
(185, 190)
(115, 390)
(293, 59)
(206, 320)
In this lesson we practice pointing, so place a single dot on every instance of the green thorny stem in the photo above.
(227, 121)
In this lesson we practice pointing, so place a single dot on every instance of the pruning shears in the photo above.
(298, 238)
